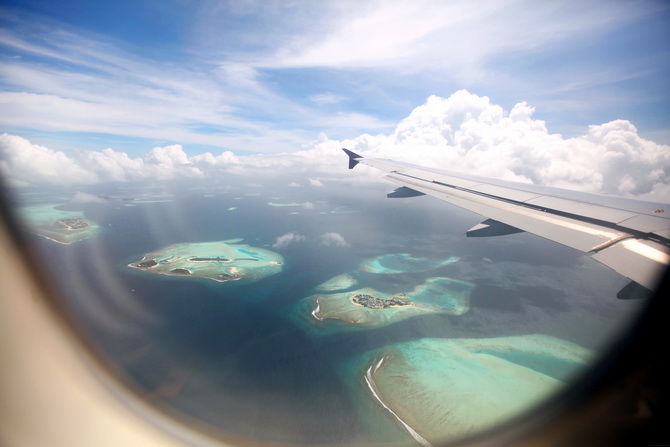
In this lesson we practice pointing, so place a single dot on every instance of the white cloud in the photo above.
(83, 197)
(22, 162)
(219, 88)
(463, 132)
(294, 185)
(458, 37)
(25, 164)
(114, 166)
(286, 239)
(102, 89)
(224, 160)
(468, 133)
(333, 239)
(308, 205)
(326, 98)
(166, 163)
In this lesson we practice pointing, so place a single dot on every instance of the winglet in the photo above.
(353, 158)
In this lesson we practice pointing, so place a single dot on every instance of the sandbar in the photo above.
(221, 261)
(339, 282)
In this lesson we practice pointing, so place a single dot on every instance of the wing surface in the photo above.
(630, 236)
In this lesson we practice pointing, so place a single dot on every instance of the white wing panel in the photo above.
(455, 181)
(517, 195)
(647, 224)
(584, 209)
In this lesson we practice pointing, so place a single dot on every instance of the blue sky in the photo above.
(271, 76)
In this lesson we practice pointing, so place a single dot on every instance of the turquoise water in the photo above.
(403, 263)
(252, 253)
(447, 293)
(260, 262)
(440, 390)
(333, 300)
(555, 367)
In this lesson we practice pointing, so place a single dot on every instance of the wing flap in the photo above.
(404, 192)
(641, 261)
(490, 228)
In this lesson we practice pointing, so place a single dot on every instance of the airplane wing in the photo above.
(630, 236)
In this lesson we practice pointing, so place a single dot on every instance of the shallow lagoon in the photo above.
(334, 303)
(433, 390)
(339, 282)
(436, 295)
(438, 390)
(403, 263)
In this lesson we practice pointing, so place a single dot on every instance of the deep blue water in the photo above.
(226, 353)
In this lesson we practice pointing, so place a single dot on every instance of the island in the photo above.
(62, 226)
(343, 303)
(367, 307)
(74, 223)
(221, 261)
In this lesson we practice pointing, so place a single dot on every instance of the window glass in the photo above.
(177, 168)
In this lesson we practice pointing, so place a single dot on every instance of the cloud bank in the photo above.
(83, 197)
(464, 132)
(287, 239)
(333, 238)
(330, 239)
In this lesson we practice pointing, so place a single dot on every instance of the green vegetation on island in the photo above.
(374, 302)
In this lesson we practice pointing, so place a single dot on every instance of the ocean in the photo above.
(248, 360)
